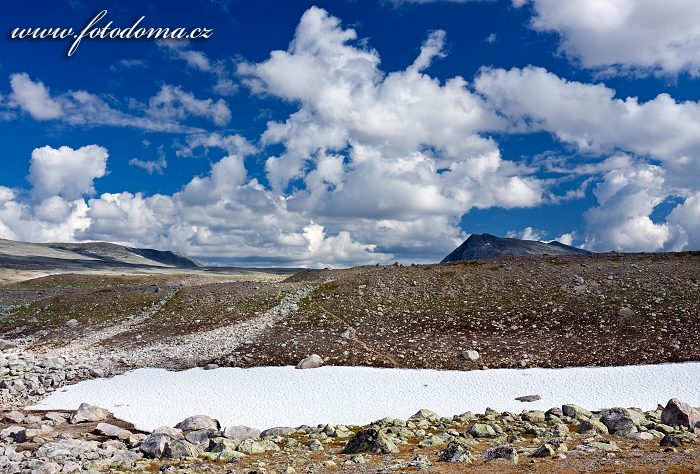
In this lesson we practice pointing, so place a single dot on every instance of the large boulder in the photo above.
(18, 434)
(178, 448)
(677, 413)
(619, 421)
(239, 433)
(222, 449)
(256, 446)
(575, 411)
(277, 431)
(592, 427)
(370, 441)
(201, 438)
(112, 431)
(505, 451)
(313, 361)
(87, 412)
(455, 453)
(482, 430)
(425, 414)
(198, 422)
(154, 445)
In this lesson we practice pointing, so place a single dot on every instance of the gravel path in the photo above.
(197, 349)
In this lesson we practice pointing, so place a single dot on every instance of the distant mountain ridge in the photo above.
(23, 254)
(482, 246)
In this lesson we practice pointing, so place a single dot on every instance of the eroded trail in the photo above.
(201, 347)
(88, 343)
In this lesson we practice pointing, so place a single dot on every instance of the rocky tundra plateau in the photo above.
(63, 323)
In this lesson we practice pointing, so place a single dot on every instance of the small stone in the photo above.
(528, 398)
(72, 323)
(5, 345)
(471, 355)
(625, 312)
(211, 366)
(313, 361)
(670, 440)
(314, 445)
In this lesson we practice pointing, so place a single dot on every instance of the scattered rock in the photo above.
(471, 355)
(72, 323)
(278, 431)
(455, 453)
(528, 398)
(618, 421)
(313, 361)
(87, 412)
(154, 445)
(239, 433)
(425, 414)
(112, 431)
(504, 451)
(370, 441)
(198, 422)
(482, 430)
(576, 412)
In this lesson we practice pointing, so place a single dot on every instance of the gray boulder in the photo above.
(455, 453)
(87, 412)
(198, 422)
(112, 431)
(677, 413)
(505, 451)
(482, 430)
(18, 434)
(471, 355)
(425, 414)
(201, 438)
(370, 441)
(618, 421)
(575, 411)
(178, 448)
(239, 433)
(277, 431)
(154, 445)
(592, 427)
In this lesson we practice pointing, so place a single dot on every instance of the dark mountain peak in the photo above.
(482, 246)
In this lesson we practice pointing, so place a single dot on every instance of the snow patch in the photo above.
(264, 397)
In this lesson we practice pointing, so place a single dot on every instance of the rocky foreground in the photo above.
(562, 439)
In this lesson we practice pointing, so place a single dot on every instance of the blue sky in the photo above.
(348, 132)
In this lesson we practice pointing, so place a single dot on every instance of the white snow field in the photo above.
(264, 397)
